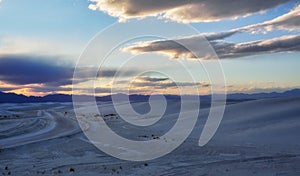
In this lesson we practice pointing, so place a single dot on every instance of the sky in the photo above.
(257, 43)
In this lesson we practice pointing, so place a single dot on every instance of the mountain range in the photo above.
(18, 98)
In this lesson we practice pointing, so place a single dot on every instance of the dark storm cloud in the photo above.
(43, 74)
(21, 70)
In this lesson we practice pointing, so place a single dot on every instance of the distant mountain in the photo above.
(15, 98)
(289, 93)
(12, 98)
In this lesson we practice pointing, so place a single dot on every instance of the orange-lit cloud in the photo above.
(183, 11)
(180, 48)
(223, 49)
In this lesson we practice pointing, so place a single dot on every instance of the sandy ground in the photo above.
(258, 137)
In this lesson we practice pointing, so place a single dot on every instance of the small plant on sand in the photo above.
(72, 169)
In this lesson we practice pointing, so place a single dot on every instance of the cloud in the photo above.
(220, 35)
(180, 47)
(112, 72)
(29, 69)
(33, 70)
(152, 79)
(33, 89)
(185, 11)
(39, 75)
(173, 48)
(289, 22)
(190, 47)
(276, 45)
(147, 84)
(163, 83)
(223, 49)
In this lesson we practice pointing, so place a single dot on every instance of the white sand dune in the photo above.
(258, 137)
(19, 132)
